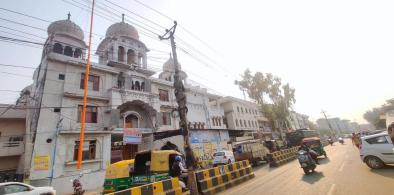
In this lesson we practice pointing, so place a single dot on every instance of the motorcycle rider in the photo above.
(177, 170)
(312, 153)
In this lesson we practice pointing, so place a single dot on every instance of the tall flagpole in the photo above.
(85, 93)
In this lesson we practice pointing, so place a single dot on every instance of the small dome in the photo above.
(66, 27)
(122, 29)
(169, 66)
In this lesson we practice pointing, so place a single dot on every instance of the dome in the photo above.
(122, 29)
(66, 27)
(169, 66)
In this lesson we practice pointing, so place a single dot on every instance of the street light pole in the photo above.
(328, 122)
(54, 151)
(182, 110)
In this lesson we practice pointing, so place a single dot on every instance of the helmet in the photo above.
(178, 158)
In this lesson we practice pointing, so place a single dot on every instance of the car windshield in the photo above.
(219, 154)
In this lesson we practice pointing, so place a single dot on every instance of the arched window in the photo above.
(130, 56)
(240, 123)
(220, 121)
(245, 123)
(77, 53)
(121, 54)
(236, 122)
(238, 108)
(143, 86)
(68, 51)
(140, 59)
(137, 86)
(131, 121)
(242, 110)
(249, 123)
(213, 122)
(58, 48)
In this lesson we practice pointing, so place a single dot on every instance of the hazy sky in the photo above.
(337, 54)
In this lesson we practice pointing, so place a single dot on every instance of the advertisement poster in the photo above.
(132, 136)
(41, 163)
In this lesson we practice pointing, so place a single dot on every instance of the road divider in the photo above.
(283, 156)
(211, 181)
(169, 186)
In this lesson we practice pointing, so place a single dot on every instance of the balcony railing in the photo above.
(11, 148)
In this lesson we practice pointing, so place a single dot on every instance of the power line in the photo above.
(15, 12)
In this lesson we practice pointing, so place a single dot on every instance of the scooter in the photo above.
(77, 185)
(306, 161)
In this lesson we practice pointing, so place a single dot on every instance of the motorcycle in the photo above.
(77, 185)
(306, 161)
(330, 141)
(341, 140)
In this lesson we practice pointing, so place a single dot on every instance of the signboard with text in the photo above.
(132, 136)
(41, 163)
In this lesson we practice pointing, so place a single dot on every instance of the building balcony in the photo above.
(122, 96)
(11, 148)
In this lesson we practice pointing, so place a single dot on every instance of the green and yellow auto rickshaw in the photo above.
(153, 165)
(315, 144)
(117, 176)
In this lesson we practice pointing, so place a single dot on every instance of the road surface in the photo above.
(342, 173)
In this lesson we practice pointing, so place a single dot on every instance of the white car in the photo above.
(223, 157)
(16, 188)
(377, 150)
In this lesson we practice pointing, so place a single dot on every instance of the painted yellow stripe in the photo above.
(158, 188)
(175, 183)
(206, 174)
(135, 191)
(216, 169)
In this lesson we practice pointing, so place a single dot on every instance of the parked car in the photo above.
(16, 188)
(223, 157)
(377, 150)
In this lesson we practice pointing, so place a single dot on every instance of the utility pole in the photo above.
(182, 110)
(328, 122)
(54, 150)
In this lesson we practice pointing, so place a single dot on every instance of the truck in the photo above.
(252, 150)
(294, 138)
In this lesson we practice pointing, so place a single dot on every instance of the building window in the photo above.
(242, 110)
(93, 82)
(213, 122)
(240, 123)
(238, 108)
(245, 123)
(62, 77)
(58, 48)
(130, 56)
(249, 124)
(163, 95)
(56, 110)
(90, 115)
(121, 54)
(166, 118)
(88, 150)
(78, 53)
(68, 51)
(220, 122)
(236, 122)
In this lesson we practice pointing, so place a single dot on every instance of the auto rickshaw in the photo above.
(153, 165)
(315, 144)
(117, 176)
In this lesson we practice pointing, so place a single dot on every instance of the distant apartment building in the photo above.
(12, 142)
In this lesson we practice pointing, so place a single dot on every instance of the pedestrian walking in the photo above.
(356, 140)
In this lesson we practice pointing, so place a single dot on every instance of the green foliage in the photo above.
(274, 98)
(373, 117)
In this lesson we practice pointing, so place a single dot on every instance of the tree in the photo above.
(373, 117)
(267, 90)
